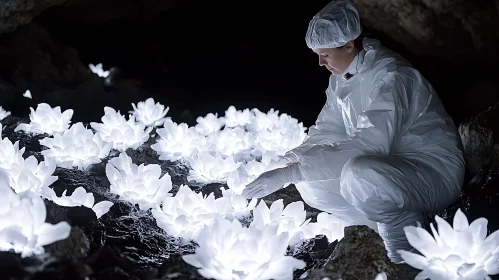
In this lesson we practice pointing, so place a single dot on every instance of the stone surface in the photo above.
(361, 254)
(14, 13)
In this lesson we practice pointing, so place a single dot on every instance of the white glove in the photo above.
(272, 181)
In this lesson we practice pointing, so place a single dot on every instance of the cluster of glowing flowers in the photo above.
(230, 142)
(149, 113)
(10, 154)
(206, 169)
(3, 113)
(185, 214)
(122, 133)
(23, 228)
(46, 120)
(79, 197)
(263, 121)
(235, 118)
(462, 252)
(209, 124)
(228, 250)
(290, 219)
(76, 147)
(97, 69)
(31, 176)
(177, 141)
(141, 184)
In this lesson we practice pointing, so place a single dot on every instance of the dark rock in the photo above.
(20, 12)
(175, 268)
(75, 246)
(361, 254)
(315, 252)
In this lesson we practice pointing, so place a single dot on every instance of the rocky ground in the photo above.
(127, 244)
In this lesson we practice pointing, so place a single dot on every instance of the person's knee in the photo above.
(366, 184)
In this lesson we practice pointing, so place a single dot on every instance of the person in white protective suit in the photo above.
(383, 150)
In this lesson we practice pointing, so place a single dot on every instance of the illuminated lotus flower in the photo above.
(3, 113)
(122, 133)
(209, 124)
(22, 224)
(76, 147)
(9, 153)
(462, 252)
(79, 197)
(206, 169)
(227, 250)
(149, 113)
(263, 121)
(177, 141)
(141, 184)
(285, 135)
(290, 219)
(230, 142)
(327, 225)
(234, 205)
(235, 117)
(186, 213)
(97, 69)
(46, 120)
(31, 176)
(381, 276)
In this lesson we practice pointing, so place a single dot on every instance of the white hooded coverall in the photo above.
(383, 149)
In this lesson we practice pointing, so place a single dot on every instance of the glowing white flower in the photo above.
(79, 197)
(149, 113)
(206, 168)
(76, 147)
(3, 113)
(227, 250)
(230, 142)
(27, 94)
(263, 121)
(141, 184)
(235, 117)
(209, 124)
(9, 153)
(122, 133)
(22, 224)
(186, 213)
(381, 276)
(31, 176)
(46, 120)
(285, 135)
(290, 219)
(97, 69)
(462, 252)
(177, 141)
(234, 205)
(327, 225)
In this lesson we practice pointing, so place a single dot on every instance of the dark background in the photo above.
(199, 57)
(208, 55)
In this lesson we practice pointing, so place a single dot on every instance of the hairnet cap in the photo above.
(334, 25)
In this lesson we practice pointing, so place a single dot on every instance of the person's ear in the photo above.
(350, 46)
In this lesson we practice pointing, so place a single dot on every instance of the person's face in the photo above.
(336, 60)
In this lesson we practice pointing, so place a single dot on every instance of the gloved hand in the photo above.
(272, 181)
